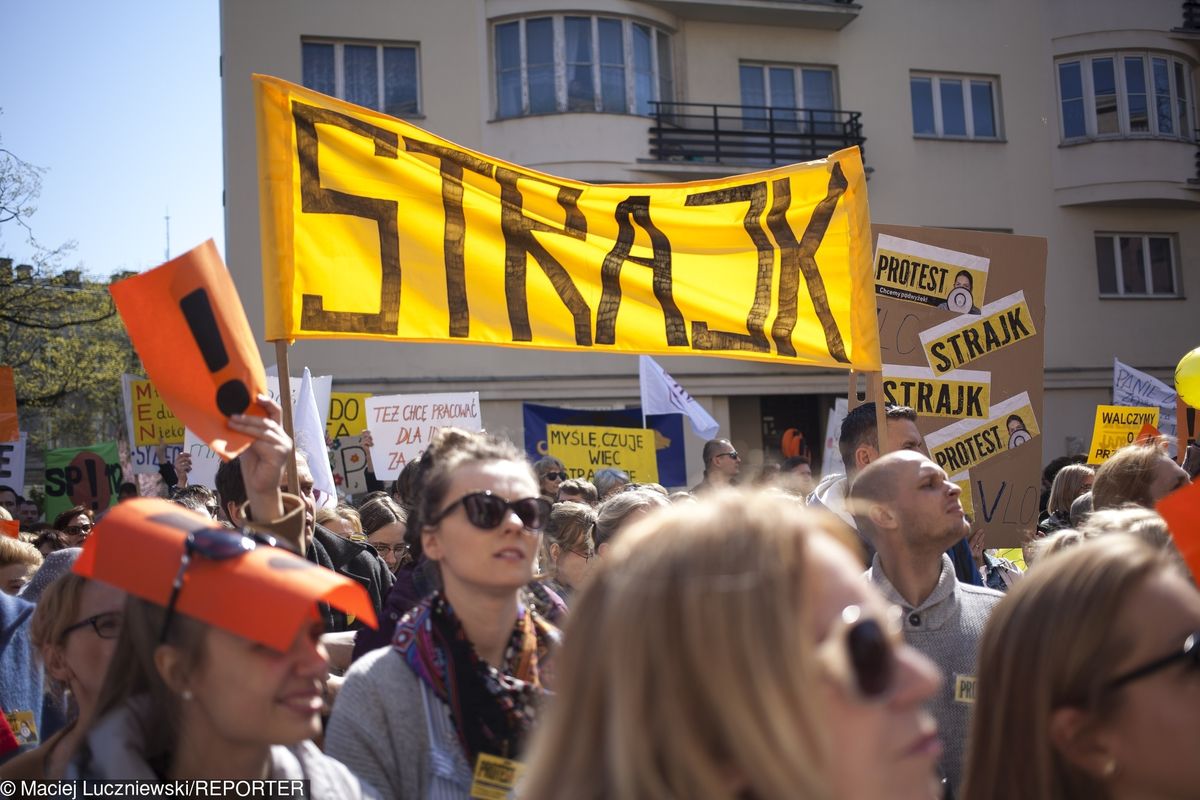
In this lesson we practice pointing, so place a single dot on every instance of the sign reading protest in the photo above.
(12, 463)
(348, 460)
(1116, 427)
(347, 414)
(958, 342)
(958, 393)
(584, 449)
(932, 276)
(970, 443)
(403, 424)
(374, 228)
(82, 476)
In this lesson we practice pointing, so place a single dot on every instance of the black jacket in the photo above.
(355, 560)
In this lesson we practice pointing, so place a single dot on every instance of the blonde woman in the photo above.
(342, 520)
(1088, 670)
(1141, 474)
(1070, 482)
(731, 649)
(569, 546)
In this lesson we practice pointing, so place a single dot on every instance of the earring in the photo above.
(186, 694)
(1110, 768)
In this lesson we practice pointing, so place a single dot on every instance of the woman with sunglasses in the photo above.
(1090, 670)
(459, 688)
(569, 547)
(731, 649)
(75, 627)
(75, 525)
(551, 472)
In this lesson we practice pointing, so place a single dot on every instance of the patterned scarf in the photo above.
(492, 710)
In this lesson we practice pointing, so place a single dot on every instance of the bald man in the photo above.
(910, 511)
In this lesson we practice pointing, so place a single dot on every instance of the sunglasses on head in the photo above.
(1189, 653)
(215, 545)
(555, 476)
(861, 651)
(486, 510)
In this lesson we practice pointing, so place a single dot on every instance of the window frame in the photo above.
(657, 35)
(935, 79)
(339, 68)
(1145, 236)
(802, 121)
(1184, 132)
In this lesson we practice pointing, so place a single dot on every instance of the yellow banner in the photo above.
(966, 444)
(374, 228)
(959, 393)
(584, 449)
(960, 341)
(347, 414)
(1116, 427)
(153, 422)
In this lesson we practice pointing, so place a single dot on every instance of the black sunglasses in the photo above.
(214, 544)
(732, 454)
(107, 625)
(486, 510)
(1190, 652)
(861, 651)
(555, 476)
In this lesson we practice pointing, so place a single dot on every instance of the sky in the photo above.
(120, 102)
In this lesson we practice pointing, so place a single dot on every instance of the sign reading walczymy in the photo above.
(1116, 427)
(403, 424)
(584, 449)
(374, 228)
(973, 374)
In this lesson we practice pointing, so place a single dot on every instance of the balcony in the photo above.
(831, 15)
(1191, 17)
(700, 133)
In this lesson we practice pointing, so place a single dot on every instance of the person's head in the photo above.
(385, 525)
(796, 475)
(1070, 482)
(858, 442)
(126, 491)
(619, 511)
(28, 512)
(9, 500)
(199, 499)
(48, 541)
(963, 280)
(1085, 684)
(75, 524)
(569, 541)
(1081, 507)
(1141, 474)
(75, 627)
(551, 472)
(18, 561)
(609, 480)
(1052, 469)
(904, 503)
(678, 619)
(578, 490)
(1014, 423)
(232, 491)
(404, 488)
(1141, 523)
(721, 458)
(342, 519)
(479, 513)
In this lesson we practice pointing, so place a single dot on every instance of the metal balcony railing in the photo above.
(721, 134)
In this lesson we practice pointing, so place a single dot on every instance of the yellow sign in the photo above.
(971, 442)
(587, 448)
(373, 228)
(958, 393)
(964, 689)
(495, 777)
(153, 422)
(347, 414)
(929, 275)
(1116, 427)
(960, 341)
(963, 479)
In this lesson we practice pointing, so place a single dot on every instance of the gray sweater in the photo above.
(947, 627)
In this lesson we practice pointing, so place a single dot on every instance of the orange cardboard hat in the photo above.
(10, 528)
(265, 595)
(188, 326)
(1181, 510)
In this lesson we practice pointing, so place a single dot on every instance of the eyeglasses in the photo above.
(732, 454)
(215, 545)
(75, 530)
(486, 510)
(398, 550)
(107, 625)
(584, 554)
(862, 651)
(555, 476)
(1190, 652)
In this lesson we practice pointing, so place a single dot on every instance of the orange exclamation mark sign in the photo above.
(232, 396)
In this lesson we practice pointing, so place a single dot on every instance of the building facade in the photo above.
(1069, 119)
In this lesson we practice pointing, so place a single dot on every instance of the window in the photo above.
(1118, 95)
(955, 106)
(789, 98)
(378, 76)
(580, 63)
(1136, 265)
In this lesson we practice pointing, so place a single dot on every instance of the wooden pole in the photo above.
(285, 400)
(852, 393)
(875, 393)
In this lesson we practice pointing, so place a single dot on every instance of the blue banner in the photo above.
(668, 428)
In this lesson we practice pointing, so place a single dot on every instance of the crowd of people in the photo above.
(492, 627)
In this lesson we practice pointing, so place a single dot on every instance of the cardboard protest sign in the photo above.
(402, 425)
(322, 392)
(586, 449)
(187, 324)
(831, 458)
(426, 240)
(9, 429)
(348, 459)
(12, 463)
(1116, 427)
(667, 428)
(932, 276)
(347, 414)
(1000, 347)
(82, 476)
(205, 461)
(1133, 387)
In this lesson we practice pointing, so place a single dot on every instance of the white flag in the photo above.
(310, 440)
(661, 394)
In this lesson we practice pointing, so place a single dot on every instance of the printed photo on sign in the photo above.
(958, 393)
(972, 442)
(403, 424)
(929, 275)
(958, 342)
(1117, 427)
